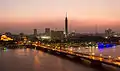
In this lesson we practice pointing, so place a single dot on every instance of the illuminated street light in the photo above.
(48, 45)
(101, 59)
(93, 53)
(96, 47)
(109, 57)
(106, 37)
(29, 41)
(93, 58)
(36, 42)
(101, 55)
(45, 37)
(119, 58)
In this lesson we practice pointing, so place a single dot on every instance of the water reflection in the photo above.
(108, 45)
(40, 53)
(27, 50)
(5, 50)
(34, 60)
(105, 51)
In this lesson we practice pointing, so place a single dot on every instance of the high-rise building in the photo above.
(47, 31)
(57, 35)
(66, 25)
(8, 34)
(109, 32)
(35, 32)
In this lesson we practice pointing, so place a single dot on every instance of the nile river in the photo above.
(106, 51)
(36, 60)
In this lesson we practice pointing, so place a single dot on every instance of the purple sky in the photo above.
(25, 15)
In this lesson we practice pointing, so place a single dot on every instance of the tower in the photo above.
(35, 32)
(47, 31)
(96, 29)
(66, 26)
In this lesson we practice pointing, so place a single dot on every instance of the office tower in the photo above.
(35, 32)
(47, 31)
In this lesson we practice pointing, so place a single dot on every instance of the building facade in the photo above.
(57, 35)
(47, 31)
(35, 32)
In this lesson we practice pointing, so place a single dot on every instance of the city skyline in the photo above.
(83, 15)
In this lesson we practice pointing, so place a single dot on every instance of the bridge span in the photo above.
(96, 61)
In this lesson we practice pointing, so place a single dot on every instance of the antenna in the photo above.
(96, 28)
(66, 14)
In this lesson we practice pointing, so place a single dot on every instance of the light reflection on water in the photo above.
(112, 51)
(35, 60)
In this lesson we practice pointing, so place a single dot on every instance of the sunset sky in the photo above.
(24, 15)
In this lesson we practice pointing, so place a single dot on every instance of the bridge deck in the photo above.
(109, 60)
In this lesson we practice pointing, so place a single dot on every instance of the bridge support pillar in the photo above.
(76, 58)
(61, 54)
(44, 49)
(95, 63)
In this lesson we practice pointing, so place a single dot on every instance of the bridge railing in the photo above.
(104, 58)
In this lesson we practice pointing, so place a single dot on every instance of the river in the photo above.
(36, 60)
(106, 51)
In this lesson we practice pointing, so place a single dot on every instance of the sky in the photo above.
(24, 15)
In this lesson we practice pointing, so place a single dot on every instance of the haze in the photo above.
(25, 15)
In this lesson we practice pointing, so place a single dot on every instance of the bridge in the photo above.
(96, 61)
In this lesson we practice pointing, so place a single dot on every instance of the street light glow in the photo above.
(45, 37)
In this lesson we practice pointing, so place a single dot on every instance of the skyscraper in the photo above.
(66, 26)
(47, 31)
(35, 32)
(108, 32)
